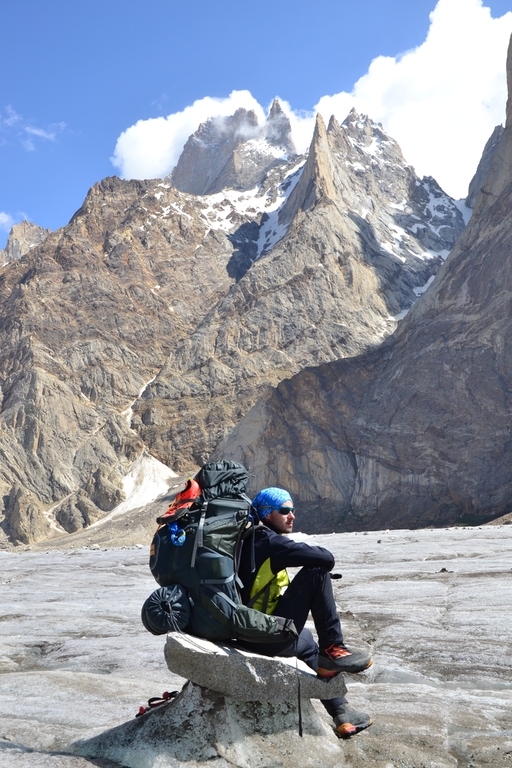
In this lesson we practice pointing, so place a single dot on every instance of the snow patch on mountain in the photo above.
(128, 412)
(147, 479)
(463, 208)
(423, 288)
(263, 147)
(219, 208)
(271, 231)
(220, 211)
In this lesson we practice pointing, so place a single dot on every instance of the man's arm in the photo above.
(286, 553)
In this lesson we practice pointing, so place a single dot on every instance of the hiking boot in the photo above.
(337, 658)
(348, 721)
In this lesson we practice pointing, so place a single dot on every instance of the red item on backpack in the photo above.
(184, 500)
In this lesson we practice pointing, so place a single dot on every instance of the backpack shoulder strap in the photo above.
(198, 541)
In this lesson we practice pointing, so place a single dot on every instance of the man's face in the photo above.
(282, 523)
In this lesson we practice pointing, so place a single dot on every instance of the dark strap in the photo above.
(214, 610)
(264, 590)
(300, 706)
(253, 550)
(226, 580)
(198, 541)
(227, 599)
(299, 703)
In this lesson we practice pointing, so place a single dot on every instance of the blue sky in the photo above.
(77, 76)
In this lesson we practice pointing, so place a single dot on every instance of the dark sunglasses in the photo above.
(281, 510)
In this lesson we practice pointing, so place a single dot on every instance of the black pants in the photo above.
(310, 590)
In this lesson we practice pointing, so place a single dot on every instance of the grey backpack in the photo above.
(197, 546)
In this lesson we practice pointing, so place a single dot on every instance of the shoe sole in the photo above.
(327, 673)
(347, 729)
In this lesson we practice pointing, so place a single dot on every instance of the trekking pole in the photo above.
(299, 703)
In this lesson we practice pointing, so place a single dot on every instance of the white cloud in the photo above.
(12, 117)
(6, 221)
(15, 126)
(151, 148)
(40, 132)
(440, 101)
(302, 123)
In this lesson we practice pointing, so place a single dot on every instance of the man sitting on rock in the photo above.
(264, 577)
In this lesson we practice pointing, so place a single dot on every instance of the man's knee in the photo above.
(314, 571)
(307, 649)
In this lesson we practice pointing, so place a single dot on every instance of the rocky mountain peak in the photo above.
(316, 180)
(362, 132)
(277, 129)
(22, 238)
(242, 120)
(357, 124)
(275, 109)
(361, 169)
(234, 152)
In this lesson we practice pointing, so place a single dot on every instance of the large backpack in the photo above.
(197, 546)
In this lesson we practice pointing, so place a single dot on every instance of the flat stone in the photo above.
(246, 676)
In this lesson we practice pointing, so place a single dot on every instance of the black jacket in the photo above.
(273, 553)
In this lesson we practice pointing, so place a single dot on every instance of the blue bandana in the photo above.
(269, 499)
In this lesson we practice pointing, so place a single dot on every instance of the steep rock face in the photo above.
(500, 171)
(87, 319)
(354, 242)
(418, 432)
(22, 238)
(23, 517)
(233, 152)
(484, 166)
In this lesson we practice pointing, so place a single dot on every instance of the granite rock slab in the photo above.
(246, 676)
